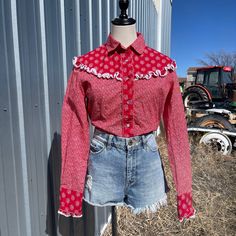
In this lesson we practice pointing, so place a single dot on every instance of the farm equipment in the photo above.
(210, 105)
(211, 84)
(216, 125)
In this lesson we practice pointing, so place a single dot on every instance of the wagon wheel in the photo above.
(214, 121)
(218, 142)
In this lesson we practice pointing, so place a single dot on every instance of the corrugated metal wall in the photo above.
(38, 40)
(164, 11)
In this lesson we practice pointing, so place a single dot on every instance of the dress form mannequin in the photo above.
(125, 34)
(123, 29)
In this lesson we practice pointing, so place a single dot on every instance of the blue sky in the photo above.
(201, 26)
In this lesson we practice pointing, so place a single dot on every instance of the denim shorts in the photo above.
(125, 171)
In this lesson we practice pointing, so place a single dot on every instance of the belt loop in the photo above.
(155, 133)
(110, 136)
(143, 140)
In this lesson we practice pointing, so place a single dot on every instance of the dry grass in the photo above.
(214, 195)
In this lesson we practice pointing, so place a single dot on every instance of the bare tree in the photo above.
(221, 58)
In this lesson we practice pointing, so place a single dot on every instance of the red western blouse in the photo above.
(126, 92)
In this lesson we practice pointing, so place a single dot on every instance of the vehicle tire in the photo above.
(213, 121)
(218, 142)
(194, 94)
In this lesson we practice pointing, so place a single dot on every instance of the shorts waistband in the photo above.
(123, 141)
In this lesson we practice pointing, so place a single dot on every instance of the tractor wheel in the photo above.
(213, 121)
(219, 142)
(194, 94)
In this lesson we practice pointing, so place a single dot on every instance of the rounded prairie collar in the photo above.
(151, 63)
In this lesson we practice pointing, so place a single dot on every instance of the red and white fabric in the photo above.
(126, 92)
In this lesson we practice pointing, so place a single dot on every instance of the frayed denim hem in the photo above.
(151, 208)
(105, 204)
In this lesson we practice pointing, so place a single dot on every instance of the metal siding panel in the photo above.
(56, 86)
(90, 16)
(96, 24)
(117, 9)
(71, 41)
(101, 217)
(77, 27)
(144, 20)
(162, 25)
(100, 21)
(111, 9)
(56, 78)
(44, 71)
(105, 20)
(84, 26)
(149, 33)
(8, 194)
(108, 19)
(169, 17)
(4, 115)
(115, 5)
(130, 9)
(166, 23)
(141, 16)
(154, 26)
(133, 9)
(138, 15)
(63, 38)
(34, 110)
(150, 22)
(3, 207)
(20, 179)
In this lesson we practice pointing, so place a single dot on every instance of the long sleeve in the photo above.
(178, 147)
(74, 147)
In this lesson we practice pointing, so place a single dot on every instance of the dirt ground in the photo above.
(214, 198)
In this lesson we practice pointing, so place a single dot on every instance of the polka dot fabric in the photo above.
(70, 202)
(145, 64)
(128, 92)
(185, 209)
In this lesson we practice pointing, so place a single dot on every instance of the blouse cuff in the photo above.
(185, 208)
(70, 203)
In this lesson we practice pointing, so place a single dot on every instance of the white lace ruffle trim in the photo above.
(191, 217)
(171, 66)
(157, 72)
(69, 214)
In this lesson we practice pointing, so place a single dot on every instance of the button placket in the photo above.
(127, 66)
